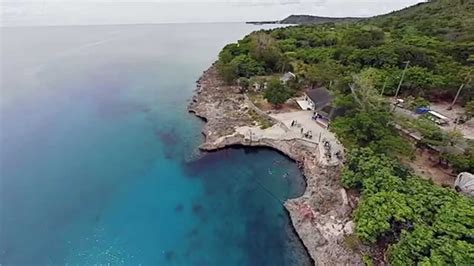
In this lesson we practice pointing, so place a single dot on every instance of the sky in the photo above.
(92, 12)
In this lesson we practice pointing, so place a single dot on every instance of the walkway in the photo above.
(284, 131)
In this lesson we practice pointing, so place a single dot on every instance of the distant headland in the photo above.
(307, 19)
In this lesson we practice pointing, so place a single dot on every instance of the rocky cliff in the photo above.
(322, 215)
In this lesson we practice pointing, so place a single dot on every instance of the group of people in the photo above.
(308, 134)
(316, 116)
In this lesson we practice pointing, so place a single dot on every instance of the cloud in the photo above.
(89, 12)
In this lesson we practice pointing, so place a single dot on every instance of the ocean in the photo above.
(99, 159)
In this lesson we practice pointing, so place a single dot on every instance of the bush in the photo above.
(426, 224)
(276, 92)
(228, 72)
(376, 213)
(245, 66)
(244, 83)
(461, 162)
(369, 129)
(352, 242)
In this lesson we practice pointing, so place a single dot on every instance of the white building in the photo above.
(315, 99)
(287, 77)
(465, 183)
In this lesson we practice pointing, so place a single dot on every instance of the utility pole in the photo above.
(401, 79)
(383, 87)
(456, 97)
(460, 89)
(354, 94)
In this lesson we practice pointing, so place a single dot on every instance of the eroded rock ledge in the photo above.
(321, 216)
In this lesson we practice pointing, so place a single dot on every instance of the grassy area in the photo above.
(257, 99)
(263, 122)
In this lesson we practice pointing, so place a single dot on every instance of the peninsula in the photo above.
(321, 216)
(378, 115)
(307, 20)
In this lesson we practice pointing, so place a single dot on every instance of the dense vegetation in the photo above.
(433, 42)
(436, 38)
(361, 63)
(430, 225)
(308, 19)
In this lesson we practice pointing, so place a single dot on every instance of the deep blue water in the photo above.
(99, 158)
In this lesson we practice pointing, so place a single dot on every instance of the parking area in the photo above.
(467, 128)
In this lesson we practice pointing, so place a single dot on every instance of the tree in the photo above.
(421, 79)
(319, 74)
(277, 93)
(228, 72)
(455, 136)
(382, 56)
(287, 45)
(417, 56)
(367, 87)
(245, 66)
(374, 78)
(264, 49)
(467, 80)
(376, 213)
(316, 55)
(462, 162)
(369, 172)
(430, 132)
(364, 38)
(370, 129)
(411, 103)
(284, 63)
(422, 222)
(229, 52)
(244, 83)
(469, 110)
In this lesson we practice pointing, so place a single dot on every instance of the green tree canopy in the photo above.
(432, 224)
(276, 92)
(321, 74)
(246, 66)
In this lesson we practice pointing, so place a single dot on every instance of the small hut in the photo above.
(465, 183)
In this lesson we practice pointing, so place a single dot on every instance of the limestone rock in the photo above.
(321, 216)
(349, 227)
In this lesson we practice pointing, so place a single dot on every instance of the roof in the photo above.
(332, 111)
(438, 115)
(465, 183)
(320, 96)
(287, 76)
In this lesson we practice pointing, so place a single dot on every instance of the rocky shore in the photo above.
(321, 216)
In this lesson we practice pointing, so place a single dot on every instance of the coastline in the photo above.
(321, 217)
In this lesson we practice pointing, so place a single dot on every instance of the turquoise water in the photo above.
(99, 159)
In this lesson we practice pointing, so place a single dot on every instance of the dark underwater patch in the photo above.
(192, 233)
(197, 209)
(169, 255)
(179, 208)
(169, 137)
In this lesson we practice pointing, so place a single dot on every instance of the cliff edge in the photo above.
(322, 215)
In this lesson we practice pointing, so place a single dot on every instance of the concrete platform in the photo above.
(303, 105)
